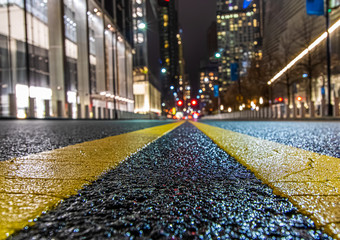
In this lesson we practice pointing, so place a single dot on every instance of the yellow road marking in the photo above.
(311, 181)
(36, 183)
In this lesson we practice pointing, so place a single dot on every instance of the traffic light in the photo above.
(194, 102)
(299, 98)
(163, 3)
(180, 103)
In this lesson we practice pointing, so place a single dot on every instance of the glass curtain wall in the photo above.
(129, 80)
(6, 75)
(38, 80)
(92, 54)
(109, 68)
(122, 90)
(71, 53)
(89, 67)
(97, 60)
(13, 70)
(24, 42)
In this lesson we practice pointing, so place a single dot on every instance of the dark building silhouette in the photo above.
(212, 39)
(146, 58)
(169, 31)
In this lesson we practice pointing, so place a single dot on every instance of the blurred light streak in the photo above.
(304, 52)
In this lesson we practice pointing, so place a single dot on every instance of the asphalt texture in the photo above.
(319, 137)
(23, 137)
(181, 186)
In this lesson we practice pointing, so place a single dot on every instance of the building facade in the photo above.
(184, 88)
(284, 40)
(239, 37)
(169, 50)
(146, 58)
(209, 80)
(69, 58)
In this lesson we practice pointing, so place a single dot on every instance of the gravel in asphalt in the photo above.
(23, 137)
(319, 137)
(181, 186)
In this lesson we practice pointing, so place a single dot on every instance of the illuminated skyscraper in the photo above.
(239, 37)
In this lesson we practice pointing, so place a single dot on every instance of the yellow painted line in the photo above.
(32, 185)
(311, 181)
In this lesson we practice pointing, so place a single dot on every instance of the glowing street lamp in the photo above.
(261, 100)
(142, 26)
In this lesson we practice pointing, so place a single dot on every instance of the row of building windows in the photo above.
(28, 67)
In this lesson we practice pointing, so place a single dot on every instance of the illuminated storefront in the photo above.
(62, 59)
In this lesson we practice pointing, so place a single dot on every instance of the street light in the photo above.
(142, 26)
(261, 100)
(163, 70)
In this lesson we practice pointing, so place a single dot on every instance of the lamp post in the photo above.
(328, 50)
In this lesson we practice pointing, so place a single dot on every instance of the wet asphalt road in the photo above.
(181, 186)
(23, 137)
(320, 137)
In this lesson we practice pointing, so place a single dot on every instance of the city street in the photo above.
(152, 179)
(196, 119)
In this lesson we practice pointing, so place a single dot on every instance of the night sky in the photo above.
(195, 17)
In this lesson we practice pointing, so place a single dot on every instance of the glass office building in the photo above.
(239, 37)
(62, 59)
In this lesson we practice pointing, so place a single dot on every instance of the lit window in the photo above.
(140, 38)
(139, 12)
